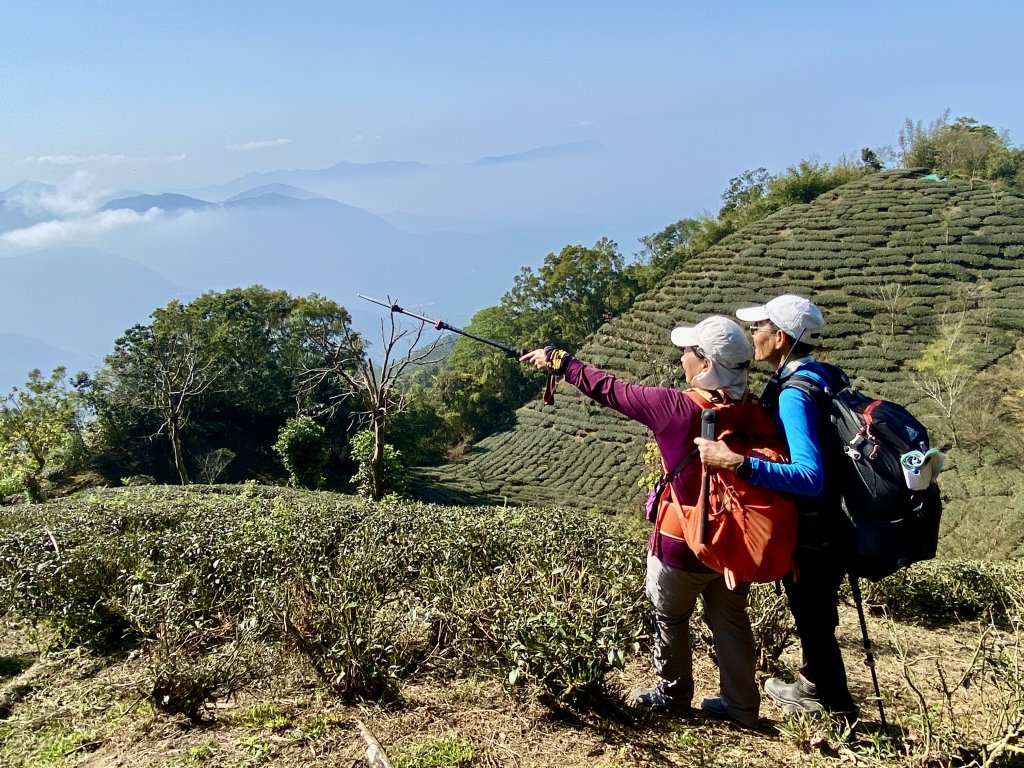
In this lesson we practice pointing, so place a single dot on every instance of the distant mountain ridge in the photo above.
(284, 190)
(449, 246)
(19, 354)
(165, 201)
(73, 302)
(82, 298)
(543, 153)
(301, 178)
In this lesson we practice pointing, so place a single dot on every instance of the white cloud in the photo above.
(163, 159)
(103, 160)
(77, 194)
(264, 144)
(77, 160)
(55, 232)
(361, 138)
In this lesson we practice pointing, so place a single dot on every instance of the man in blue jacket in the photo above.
(785, 332)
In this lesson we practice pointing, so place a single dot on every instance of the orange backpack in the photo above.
(751, 531)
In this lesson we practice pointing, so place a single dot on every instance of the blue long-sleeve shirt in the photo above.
(797, 416)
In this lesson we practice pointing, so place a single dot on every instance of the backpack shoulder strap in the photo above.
(820, 380)
(683, 464)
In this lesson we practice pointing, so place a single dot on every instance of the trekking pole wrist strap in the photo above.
(557, 360)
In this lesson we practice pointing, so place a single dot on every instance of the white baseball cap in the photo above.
(719, 338)
(798, 317)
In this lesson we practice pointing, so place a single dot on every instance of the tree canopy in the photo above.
(964, 148)
(223, 371)
(39, 433)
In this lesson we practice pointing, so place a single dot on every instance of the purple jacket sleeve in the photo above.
(672, 416)
(675, 421)
(657, 408)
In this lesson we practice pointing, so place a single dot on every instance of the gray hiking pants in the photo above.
(673, 594)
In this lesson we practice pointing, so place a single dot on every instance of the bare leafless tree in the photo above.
(894, 300)
(372, 384)
(942, 373)
(180, 372)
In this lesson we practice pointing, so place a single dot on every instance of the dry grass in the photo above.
(89, 711)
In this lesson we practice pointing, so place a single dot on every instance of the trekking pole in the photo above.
(869, 656)
(707, 431)
(441, 325)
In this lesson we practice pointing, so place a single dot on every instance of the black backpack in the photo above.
(893, 526)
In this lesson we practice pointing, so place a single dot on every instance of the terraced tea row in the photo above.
(889, 258)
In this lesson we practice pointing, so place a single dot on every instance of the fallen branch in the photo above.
(1008, 743)
(374, 751)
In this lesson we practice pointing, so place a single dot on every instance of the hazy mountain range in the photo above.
(78, 266)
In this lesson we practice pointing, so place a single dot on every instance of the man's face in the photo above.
(768, 341)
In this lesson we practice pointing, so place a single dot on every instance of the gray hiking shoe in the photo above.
(716, 706)
(801, 694)
(800, 699)
(654, 698)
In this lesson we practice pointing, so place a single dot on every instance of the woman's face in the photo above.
(694, 363)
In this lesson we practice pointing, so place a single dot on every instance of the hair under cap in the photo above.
(719, 338)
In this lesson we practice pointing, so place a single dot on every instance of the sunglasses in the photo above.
(761, 328)
(696, 351)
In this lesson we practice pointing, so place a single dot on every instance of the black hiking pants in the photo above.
(813, 601)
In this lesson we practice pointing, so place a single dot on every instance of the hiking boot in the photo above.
(716, 706)
(654, 698)
(801, 694)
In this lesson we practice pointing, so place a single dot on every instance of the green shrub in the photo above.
(396, 478)
(302, 446)
(65, 578)
(544, 616)
(356, 617)
(207, 581)
(941, 592)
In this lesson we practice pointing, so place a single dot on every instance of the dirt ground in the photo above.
(82, 710)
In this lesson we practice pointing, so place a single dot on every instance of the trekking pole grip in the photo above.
(707, 431)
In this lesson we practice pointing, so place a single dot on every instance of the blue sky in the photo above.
(99, 97)
(153, 96)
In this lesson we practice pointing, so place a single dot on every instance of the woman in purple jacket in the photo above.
(716, 357)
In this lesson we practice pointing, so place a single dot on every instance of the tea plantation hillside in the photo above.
(891, 259)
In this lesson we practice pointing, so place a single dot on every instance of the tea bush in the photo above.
(211, 582)
(941, 592)
(217, 584)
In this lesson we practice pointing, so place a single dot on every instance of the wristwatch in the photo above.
(744, 470)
